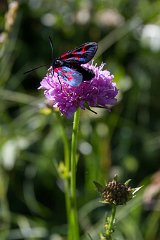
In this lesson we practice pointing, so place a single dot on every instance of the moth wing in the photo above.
(80, 55)
(69, 75)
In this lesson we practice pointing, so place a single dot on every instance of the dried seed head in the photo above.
(116, 193)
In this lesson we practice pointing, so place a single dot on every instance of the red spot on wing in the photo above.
(70, 78)
(64, 56)
(57, 69)
(77, 57)
(83, 50)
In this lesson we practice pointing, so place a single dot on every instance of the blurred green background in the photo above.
(124, 142)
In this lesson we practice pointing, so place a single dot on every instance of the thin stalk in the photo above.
(67, 179)
(73, 214)
(67, 165)
(109, 228)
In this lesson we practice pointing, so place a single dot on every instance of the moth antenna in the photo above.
(33, 69)
(51, 44)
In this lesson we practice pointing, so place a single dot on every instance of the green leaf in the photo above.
(135, 190)
(99, 187)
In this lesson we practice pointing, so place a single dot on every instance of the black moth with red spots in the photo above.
(68, 65)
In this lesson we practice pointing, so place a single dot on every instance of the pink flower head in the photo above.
(98, 92)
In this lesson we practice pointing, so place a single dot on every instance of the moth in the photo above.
(69, 65)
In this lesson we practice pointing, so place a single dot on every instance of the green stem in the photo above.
(67, 165)
(109, 228)
(67, 179)
(73, 214)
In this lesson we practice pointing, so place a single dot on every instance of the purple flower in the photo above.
(99, 92)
